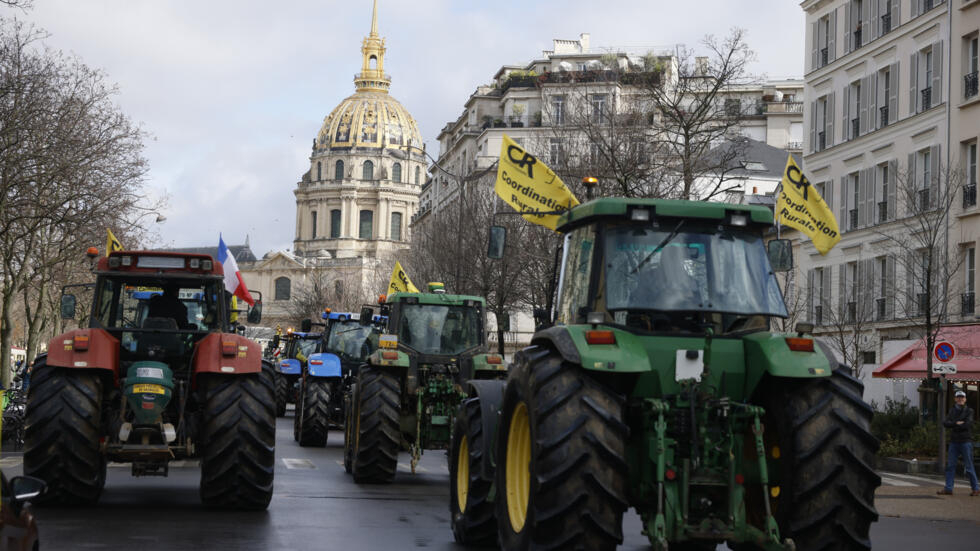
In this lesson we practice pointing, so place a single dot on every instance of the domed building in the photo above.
(366, 170)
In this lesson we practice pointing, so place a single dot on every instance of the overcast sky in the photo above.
(234, 91)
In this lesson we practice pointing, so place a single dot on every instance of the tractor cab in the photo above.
(348, 338)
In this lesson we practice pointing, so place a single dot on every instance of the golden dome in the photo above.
(369, 119)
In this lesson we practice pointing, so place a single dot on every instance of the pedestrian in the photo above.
(960, 420)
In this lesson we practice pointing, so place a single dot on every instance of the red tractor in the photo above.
(159, 374)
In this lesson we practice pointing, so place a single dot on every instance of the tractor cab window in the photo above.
(574, 285)
(352, 341)
(689, 274)
(157, 303)
(436, 329)
(301, 348)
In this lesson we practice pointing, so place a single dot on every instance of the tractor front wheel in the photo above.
(282, 393)
(377, 433)
(238, 440)
(64, 427)
(350, 398)
(561, 468)
(470, 507)
(312, 412)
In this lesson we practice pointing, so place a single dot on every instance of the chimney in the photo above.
(583, 41)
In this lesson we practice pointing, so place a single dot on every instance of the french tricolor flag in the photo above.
(233, 278)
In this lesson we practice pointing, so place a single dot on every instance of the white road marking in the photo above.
(293, 463)
(912, 477)
(11, 461)
(895, 482)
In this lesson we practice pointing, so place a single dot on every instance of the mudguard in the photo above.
(323, 364)
(85, 349)
(291, 366)
(491, 396)
(489, 364)
(226, 353)
(770, 353)
(626, 356)
(389, 358)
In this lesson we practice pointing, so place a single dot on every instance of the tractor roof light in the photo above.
(114, 261)
(127, 261)
(207, 265)
(640, 215)
(595, 318)
(194, 263)
(739, 219)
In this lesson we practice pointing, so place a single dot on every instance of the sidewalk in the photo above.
(903, 495)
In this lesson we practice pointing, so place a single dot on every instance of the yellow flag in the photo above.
(399, 281)
(111, 243)
(800, 206)
(528, 185)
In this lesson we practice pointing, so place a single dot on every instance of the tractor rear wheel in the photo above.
(377, 431)
(561, 448)
(350, 398)
(312, 412)
(823, 451)
(64, 426)
(238, 440)
(470, 507)
(282, 393)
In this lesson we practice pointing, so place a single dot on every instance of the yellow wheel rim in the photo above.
(518, 467)
(462, 474)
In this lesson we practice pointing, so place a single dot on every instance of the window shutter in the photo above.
(828, 280)
(842, 217)
(867, 35)
(846, 113)
(893, 96)
(832, 37)
(841, 292)
(937, 73)
(875, 19)
(912, 178)
(828, 197)
(813, 126)
(890, 283)
(934, 152)
(913, 74)
(866, 101)
(867, 295)
(809, 294)
(892, 189)
(916, 8)
(896, 13)
(872, 102)
(847, 28)
(814, 45)
(830, 119)
(911, 298)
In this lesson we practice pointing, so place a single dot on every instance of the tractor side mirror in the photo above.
(367, 315)
(255, 313)
(67, 307)
(498, 239)
(781, 255)
(306, 325)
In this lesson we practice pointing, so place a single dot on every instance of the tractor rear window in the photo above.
(435, 329)
(693, 269)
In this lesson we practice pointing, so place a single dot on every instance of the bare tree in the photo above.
(794, 296)
(852, 318)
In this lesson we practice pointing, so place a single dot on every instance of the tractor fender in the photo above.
(290, 366)
(85, 349)
(771, 353)
(323, 364)
(491, 396)
(489, 366)
(389, 358)
(227, 354)
(560, 340)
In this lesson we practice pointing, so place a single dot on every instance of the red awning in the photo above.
(911, 363)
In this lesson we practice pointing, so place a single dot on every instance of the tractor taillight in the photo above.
(229, 348)
(495, 360)
(739, 479)
(389, 355)
(798, 344)
(80, 342)
(316, 362)
(670, 474)
(600, 337)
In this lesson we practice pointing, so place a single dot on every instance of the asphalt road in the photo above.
(318, 506)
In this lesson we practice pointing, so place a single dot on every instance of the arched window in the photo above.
(338, 171)
(282, 288)
(396, 173)
(313, 216)
(367, 224)
(373, 62)
(417, 172)
(319, 171)
(368, 171)
(396, 226)
(335, 223)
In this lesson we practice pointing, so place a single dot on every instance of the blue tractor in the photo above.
(345, 345)
(299, 346)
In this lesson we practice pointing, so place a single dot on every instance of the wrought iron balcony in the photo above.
(884, 115)
(922, 303)
(882, 212)
(857, 38)
(886, 23)
(970, 85)
(794, 146)
(824, 54)
(852, 219)
(821, 141)
(923, 200)
(880, 309)
(969, 196)
(855, 128)
(783, 107)
(967, 303)
(852, 308)
(926, 99)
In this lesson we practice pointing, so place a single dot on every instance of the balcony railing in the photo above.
(852, 216)
(927, 5)
(857, 38)
(967, 302)
(783, 107)
(970, 85)
(922, 303)
(852, 308)
(884, 116)
(926, 99)
(855, 128)
(794, 146)
(824, 53)
(882, 212)
(969, 196)
(818, 315)
(821, 141)
(880, 308)
(886, 23)
(923, 200)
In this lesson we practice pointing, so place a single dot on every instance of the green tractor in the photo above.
(661, 387)
(405, 396)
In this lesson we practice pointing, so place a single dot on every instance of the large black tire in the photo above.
(824, 468)
(470, 507)
(571, 428)
(377, 432)
(282, 394)
(350, 398)
(312, 412)
(239, 440)
(62, 433)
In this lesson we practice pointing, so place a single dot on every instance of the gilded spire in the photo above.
(372, 77)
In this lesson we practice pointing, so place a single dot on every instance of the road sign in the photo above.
(944, 369)
(944, 351)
